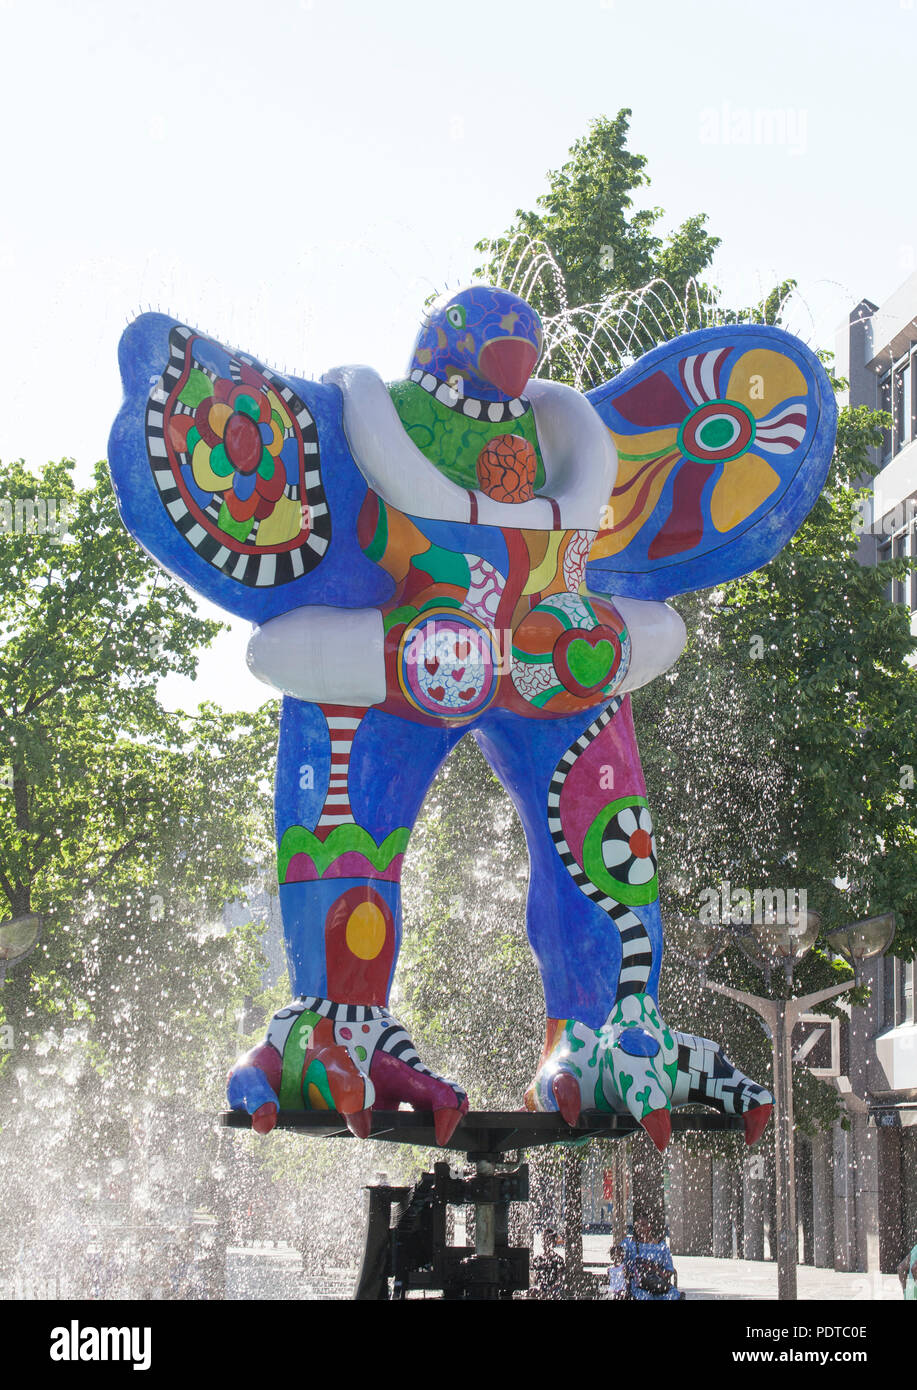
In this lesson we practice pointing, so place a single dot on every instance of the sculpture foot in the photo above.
(627, 1065)
(706, 1076)
(352, 1058)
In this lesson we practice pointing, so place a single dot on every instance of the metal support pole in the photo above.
(484, 1224)
(785, 1154)
(781, 1017)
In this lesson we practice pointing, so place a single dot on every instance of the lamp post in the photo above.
(769, 945)
(17, 938)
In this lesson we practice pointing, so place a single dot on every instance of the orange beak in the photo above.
(507, 363)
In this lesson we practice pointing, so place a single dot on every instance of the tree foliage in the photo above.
(127, 826)
(587, 218)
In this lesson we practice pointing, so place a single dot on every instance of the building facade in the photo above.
(876, 1223)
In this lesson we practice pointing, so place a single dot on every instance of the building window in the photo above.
(897, 992)
(902, 406)
(900, 586)
(884, 553)
(885, 403)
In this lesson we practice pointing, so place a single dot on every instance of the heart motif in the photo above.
(437, 692)
(458, 673)
(467, 694)
(432, 665)
(461, 649)
(590, 665)
(586, 661)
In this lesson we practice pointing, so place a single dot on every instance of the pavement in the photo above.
(704, 1278)
(262, 1272)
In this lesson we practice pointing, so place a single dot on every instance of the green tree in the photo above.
(607, 286)
(125, 825)
(586, 217)
(797, 774)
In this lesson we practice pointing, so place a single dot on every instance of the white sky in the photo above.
(294, 176)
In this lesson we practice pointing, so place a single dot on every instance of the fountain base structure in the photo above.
(406, 1227)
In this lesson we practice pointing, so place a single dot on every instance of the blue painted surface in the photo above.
(756, 540)
(343, 577)
(636, 1042)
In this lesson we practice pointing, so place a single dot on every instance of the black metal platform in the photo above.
(482, 1132)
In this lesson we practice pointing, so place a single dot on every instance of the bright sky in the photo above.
(295, 176)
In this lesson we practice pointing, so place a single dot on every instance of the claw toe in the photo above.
(446, 1122)
(265, 1118)
(360, 1123)
(755, 1122)
(658, 1125)
(565, 1090)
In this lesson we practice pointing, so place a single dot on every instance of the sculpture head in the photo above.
(489, 338)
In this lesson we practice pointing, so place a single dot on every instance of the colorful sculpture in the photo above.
(469, 550)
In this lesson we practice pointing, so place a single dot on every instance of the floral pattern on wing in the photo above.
(235, 457)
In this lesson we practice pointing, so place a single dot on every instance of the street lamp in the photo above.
(863, 940)
(17, 938)
(768, 945)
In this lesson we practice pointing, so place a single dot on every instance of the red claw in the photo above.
(755, 1122)
(360, 1123)
(265, 1118)
(566, 1092)
(446, 1122)
(658, 1125)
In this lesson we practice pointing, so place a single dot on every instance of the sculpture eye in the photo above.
(456, 316)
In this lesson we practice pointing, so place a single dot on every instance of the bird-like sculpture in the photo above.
(469, 550)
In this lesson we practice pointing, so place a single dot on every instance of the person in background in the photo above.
(618, 1284)
(642, 1268)
(907, 1273)
(548, 1267)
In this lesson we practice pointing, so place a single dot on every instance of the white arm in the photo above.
(331, 655)
(657, 636)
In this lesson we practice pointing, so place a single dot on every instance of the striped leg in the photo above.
(636, 947)
(593, 912)
(350, 783)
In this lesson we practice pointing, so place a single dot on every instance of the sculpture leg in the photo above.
(350, 783)
(593, 914)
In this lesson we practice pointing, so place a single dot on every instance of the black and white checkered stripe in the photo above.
(636, 948)
(255, 570)
(396, 1042)
(392, 1038)
(491, 412)
(339, 1013)
(706, 1076)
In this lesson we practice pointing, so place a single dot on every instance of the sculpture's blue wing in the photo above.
(237, 480)
(724, 439)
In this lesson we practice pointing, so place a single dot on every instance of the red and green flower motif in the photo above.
(700, 450)
(234, 438)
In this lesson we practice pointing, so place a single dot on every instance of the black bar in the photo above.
(485, 1134)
